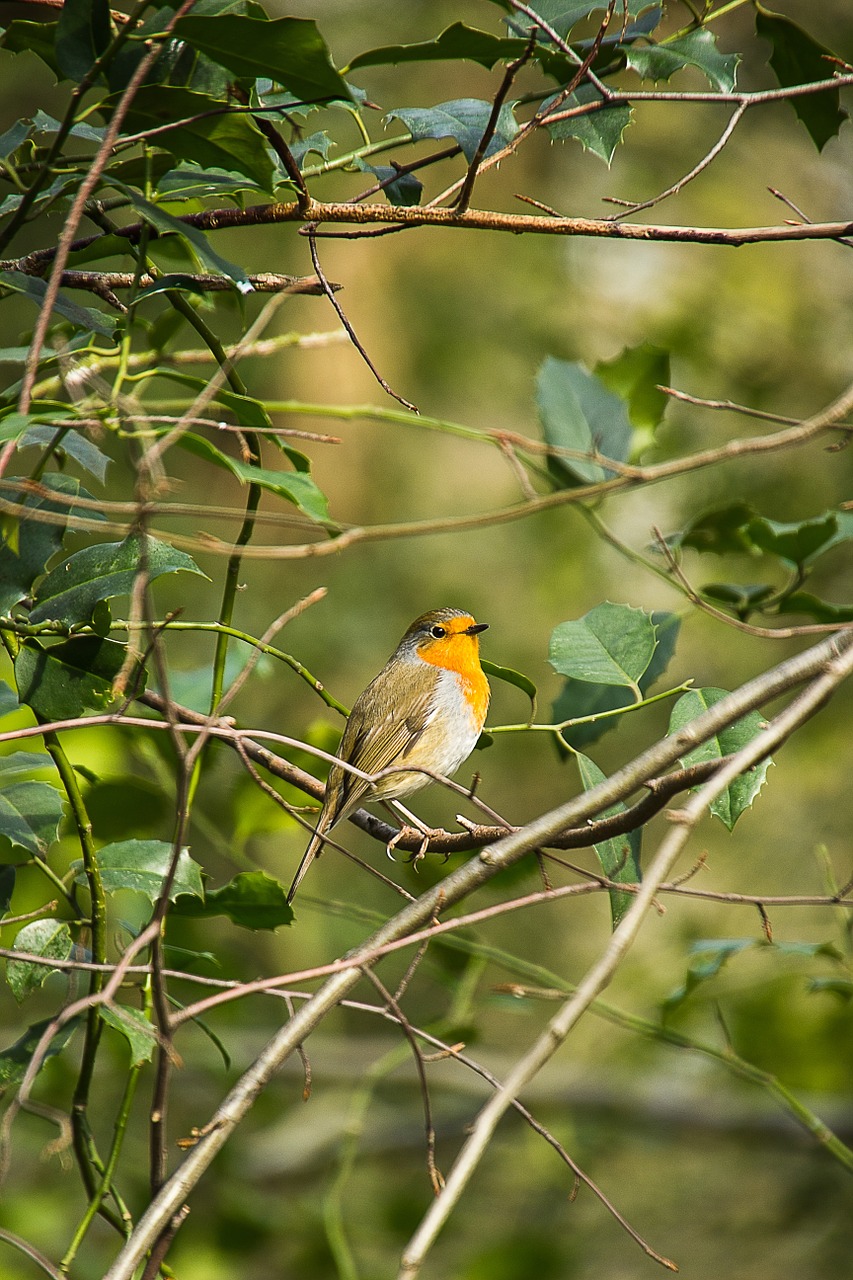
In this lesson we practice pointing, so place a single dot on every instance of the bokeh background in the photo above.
(709, 1168)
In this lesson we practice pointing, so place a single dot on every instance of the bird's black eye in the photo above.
(438, 633)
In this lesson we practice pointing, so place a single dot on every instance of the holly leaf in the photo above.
(613, 644)
(70, 592)
(697, 49)
(50, 939)
(578, 412)
(464, 119)
(797, 58)
(142, 866)
(64, 680)
(597, 131)
(739, 795)
(253, 900)
(620, 855)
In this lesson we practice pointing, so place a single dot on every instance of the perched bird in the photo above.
(426, 708)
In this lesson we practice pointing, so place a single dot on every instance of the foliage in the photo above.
(141, 885)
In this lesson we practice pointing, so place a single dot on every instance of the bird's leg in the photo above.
(412, 825)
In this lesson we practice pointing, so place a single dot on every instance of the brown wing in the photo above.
(378, 734)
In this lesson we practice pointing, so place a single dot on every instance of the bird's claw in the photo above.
(405, 833)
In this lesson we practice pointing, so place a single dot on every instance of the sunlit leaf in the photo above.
(578, 412)
(464, 119)
(139, 1033)
(696, 49)
(30, 814)
(613, 644)
(142, 866)
(50, 939)
(64, 680)
(252, 899)
(598, 131)
(739, 795)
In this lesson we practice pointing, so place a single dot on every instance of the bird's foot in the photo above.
(406, 833)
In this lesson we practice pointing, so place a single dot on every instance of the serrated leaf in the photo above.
(289, 51)
(562, 15)
(43, 123)
(37, 542)
(464, 119)
(697, 49)
(720, 531)
(30, 814)
(797, 542)
(204, 134)
(516, 678)
(620, 856)
(50, 939)
(15, 1060)
(82, 35)
(64, 680)
(294, 486)
(70, 591)
(136, 1029)
(457, 42)
(73, 445)
(252, 899)
(85, 318)
(142, 866)
(579, 699)
(613, 644)
(578, 412)
(739, 795)
(797, 58)
(597, 131)
(813, 607)
(635, 376)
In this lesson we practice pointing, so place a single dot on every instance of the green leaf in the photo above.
(142, 866)
(740, 794)
(516, 678)
(578, 412)
(8, 699)
(820, 610)
(697, 49)
(136, 1029)
(20, 764)
(50, 939)
(15, 1060)
(73, 445)
(597, 131)
(37, 542)
(797, 58)
(457, 42)
(70, 591)
(82, 35)
(579, 699)
(13, 137)
(86, 318)
(30, 814)
(43, 123)
(290, 51)
(798, 542)
(743, 598)
(8, 875)
(252, 899)
(619, 856)
(65, 680)
(38, 38)
(613, 644)
(710, 956)
(720, 531)
(562, 15)
(230, 142)
(294, 486)
(464, 119)
(193, 183)
(635, 376)
(405, 190)
(166, 225)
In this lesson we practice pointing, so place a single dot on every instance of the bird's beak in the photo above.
(476, 628)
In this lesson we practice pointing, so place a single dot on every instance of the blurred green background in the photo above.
(707, 1167)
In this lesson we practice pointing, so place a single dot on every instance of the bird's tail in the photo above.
(314, 847)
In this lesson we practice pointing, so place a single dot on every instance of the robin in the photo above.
(426, 708)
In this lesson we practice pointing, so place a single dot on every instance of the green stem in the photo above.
(235, 561)
(103, 1187)
(592, 719)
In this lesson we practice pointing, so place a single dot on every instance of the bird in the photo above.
(426, 708)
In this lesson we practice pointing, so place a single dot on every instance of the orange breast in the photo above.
(460, 654)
